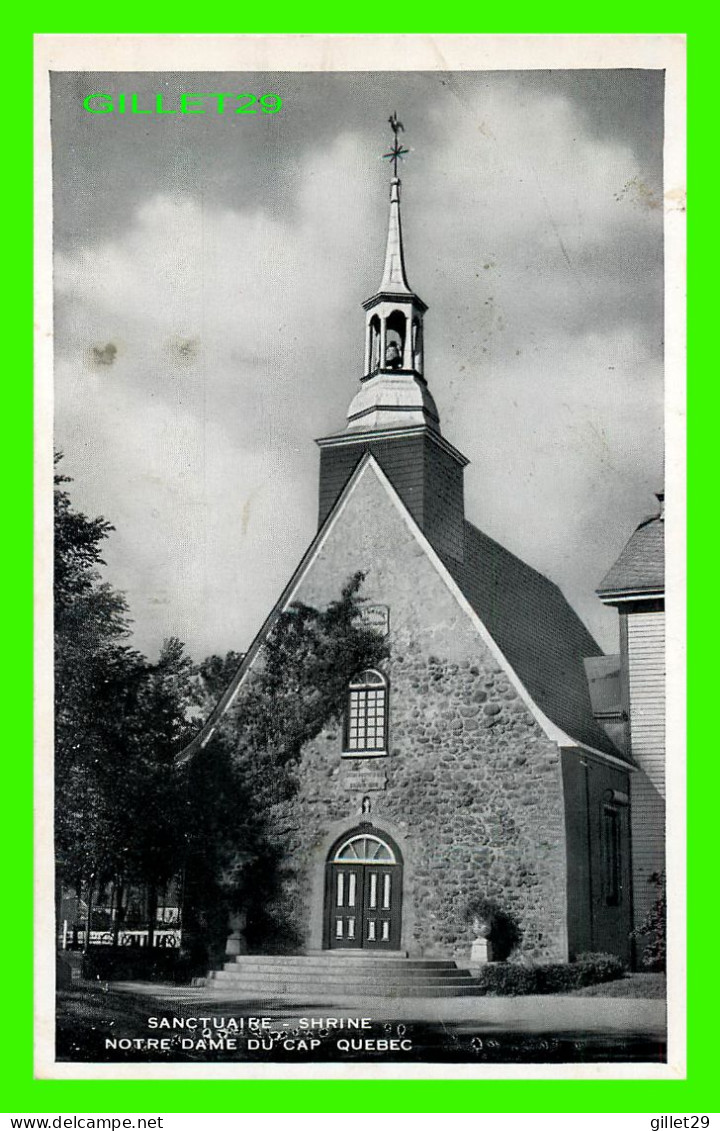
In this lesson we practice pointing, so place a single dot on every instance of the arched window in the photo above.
(374, 345)
(395, 329)
(364, 849)
(367, 714)
(417, 345)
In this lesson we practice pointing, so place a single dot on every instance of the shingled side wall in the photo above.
(472, 787)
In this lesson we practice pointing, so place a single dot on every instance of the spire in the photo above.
(393, 391)
(394, 278)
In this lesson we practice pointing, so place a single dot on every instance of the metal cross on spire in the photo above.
(398, 151)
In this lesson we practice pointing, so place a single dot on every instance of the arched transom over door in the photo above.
(363, 892)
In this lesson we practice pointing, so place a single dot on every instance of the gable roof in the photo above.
(524, 618)
(640, 569)
(538, 632)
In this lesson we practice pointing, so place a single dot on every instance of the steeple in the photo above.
(393, 387)
(394, 278)
(393, 415)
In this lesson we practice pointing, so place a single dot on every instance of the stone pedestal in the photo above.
(480, 952)
(236, 939)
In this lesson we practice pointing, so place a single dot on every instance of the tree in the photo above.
(90, 628)
(652, 932)
(120, 720)
(213, 676)
(298, 686)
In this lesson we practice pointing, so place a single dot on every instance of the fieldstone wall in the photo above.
(471, 784)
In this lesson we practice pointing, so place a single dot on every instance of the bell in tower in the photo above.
(394, 312)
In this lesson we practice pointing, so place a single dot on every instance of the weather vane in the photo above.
(397, 152)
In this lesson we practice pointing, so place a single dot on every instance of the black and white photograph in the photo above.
(359, 359)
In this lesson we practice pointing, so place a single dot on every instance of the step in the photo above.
(346, 969)
(251, 977)
(339, 978)
(257, 978)
(340, 974)
(353, 952)
(318, 993)
(352, 960)
(382, 985)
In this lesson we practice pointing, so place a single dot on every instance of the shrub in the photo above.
(511, 979)
(503, 929)
(505, 979)
(652, 933)
(599, 967)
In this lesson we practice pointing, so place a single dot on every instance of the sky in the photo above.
(209, 273)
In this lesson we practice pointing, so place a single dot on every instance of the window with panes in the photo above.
(367, 714)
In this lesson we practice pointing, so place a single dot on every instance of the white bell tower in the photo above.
(393, 389)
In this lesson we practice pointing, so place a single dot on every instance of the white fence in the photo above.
(168, 939)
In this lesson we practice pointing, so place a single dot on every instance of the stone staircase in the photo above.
(331, 975)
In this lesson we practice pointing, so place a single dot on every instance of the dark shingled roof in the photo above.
(641, 566)
(538, 632)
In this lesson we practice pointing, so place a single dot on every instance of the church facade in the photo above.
(470, 763)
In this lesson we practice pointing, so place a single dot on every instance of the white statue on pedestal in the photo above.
(481, 949)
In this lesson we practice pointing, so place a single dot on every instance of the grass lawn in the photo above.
(631, 985)
(87, 1016)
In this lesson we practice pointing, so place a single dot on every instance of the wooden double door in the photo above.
(363, 894)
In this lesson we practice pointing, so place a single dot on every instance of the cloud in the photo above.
(202, 346)
(540, 200)
(226, 325)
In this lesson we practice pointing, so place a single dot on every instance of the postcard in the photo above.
(360, 410)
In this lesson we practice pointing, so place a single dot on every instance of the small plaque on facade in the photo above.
(366, 781)
(377, 617)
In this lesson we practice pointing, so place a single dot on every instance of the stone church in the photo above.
(471, 762)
